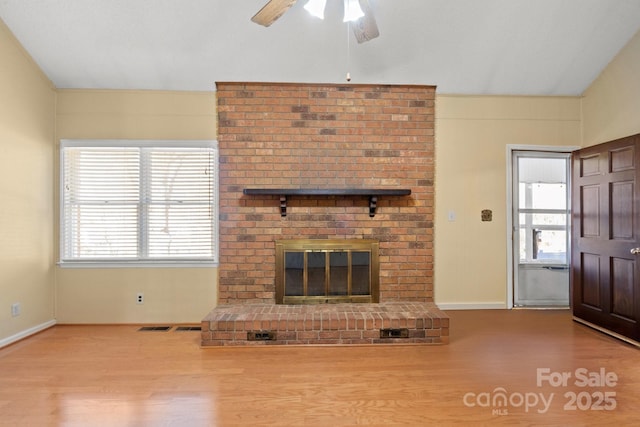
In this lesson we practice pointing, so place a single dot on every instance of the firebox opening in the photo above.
(312, 271)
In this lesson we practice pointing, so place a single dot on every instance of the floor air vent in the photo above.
(394, 333)
(188, 328)
(154, 328)
(261, 336)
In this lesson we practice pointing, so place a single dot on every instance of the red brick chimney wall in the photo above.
(274, 135)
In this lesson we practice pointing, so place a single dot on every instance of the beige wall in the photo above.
(611, 105)
(27, 103)
(178, 295)
(472, 134)
(471, 138)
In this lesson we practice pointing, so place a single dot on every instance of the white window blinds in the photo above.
(138, 201)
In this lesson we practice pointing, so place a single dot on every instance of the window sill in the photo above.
(137, 264)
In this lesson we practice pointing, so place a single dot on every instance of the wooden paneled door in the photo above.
(605, 262)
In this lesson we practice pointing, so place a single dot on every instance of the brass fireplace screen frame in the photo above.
(327, 246)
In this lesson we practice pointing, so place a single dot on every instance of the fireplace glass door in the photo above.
(326, 271)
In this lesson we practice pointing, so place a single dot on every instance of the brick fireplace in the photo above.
(315, 137)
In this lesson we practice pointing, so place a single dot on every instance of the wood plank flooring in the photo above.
(117, 376)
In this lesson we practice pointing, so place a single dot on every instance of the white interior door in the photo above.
(540, 218)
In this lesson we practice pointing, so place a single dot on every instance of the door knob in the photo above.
(635, 251)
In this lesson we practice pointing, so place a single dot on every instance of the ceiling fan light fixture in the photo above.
(352, 10)
(316, 8)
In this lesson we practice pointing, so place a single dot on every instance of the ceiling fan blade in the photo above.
(365, 28)
(272, 11)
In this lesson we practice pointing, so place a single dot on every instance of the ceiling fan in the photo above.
(363, 24)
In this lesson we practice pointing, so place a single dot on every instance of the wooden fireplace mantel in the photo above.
(283, 193)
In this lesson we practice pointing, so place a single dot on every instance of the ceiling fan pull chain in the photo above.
(348, 50)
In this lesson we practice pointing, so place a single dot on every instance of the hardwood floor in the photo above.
(117, 376)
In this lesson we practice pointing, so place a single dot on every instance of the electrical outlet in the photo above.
(16, 309)
(139, 298)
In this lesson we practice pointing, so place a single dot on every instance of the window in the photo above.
(542, 208)
(138, 202)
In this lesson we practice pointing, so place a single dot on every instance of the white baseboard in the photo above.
(26, 333)
(472, 306)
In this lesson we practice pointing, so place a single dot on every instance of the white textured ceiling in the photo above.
(532, 47)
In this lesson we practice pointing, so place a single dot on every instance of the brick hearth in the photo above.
(232, 325)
